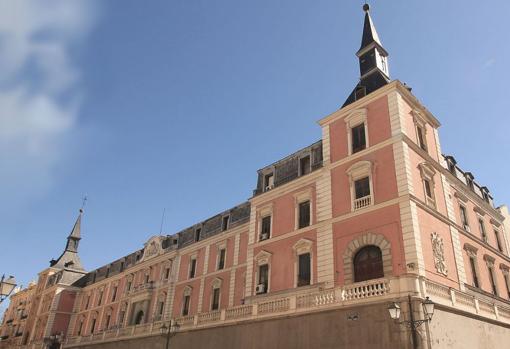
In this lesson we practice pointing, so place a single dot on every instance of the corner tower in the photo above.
(373, 61)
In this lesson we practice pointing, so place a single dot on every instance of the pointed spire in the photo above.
(369, 32)
(69, 258)
(373, 62)
(76, 232)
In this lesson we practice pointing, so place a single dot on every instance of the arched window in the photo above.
(139, 317)
(368, 264)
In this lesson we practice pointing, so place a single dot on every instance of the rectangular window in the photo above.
(421, 138)
(498, 242)
(493, 282)
(128, 286)
(463, 217)
(192, 267)
(428, 189)
(224, 223)
(80, 326)
(304, 214)
(263, 278)
(507, 284)
(161, 308)
(185, 305)
(93, 326)
(265, 228)
(304, 166)
(472, 264)
(268, 181)
(221, 259)
(87, 302)
(197, 234)
(215, 299)
(107, 323)
(358, 138)
(114, 293)
(362, 187)
(121, 317)
(482, 229)
(167, 273)
(147, 278)
(100, 298)
(304, 273)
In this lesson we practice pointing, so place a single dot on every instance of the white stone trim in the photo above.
(356, 118)
(396, 107)
(357, 171)
(300, 197)
(262, 258)
(303, 246)
(411, 236)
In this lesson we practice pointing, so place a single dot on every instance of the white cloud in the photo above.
(39, 90)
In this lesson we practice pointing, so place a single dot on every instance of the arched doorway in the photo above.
(368, 264)
(139, 317)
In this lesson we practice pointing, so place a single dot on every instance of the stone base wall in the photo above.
(355, 328)
(449, 330)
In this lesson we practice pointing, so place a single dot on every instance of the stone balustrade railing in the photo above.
(299, 302)
(451, 297)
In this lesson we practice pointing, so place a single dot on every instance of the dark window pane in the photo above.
(421, 138)
(221, 260)
(224, 224)
(473, 271)
(428, 189)
(216, 299)
(192, 269)
(358, 138)
(362, 187)
(493, 283)
(304, 274)
(304, 165)
(304, 214)
(368, 264)
(265, 227)
(185, 305)
(264, 276)
(197, 234)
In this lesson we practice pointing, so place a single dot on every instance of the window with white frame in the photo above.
(481, 227)
(221, 256)
(186, 301)
(506, 270)
(357, 131)
(427, 176)
(490, 269)
(471, 252)
(304, 165)
(303, 209)
(265, 220)
(262, 276)
(360, 178)
(268, 181)
(303, 262)
(192, 269)
(216, 294)
(464, 217)
(421, 130)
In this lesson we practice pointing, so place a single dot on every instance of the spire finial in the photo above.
(83, 202)
(366, 7)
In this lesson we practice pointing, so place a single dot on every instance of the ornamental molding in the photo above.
(152, 248)
(438, 252)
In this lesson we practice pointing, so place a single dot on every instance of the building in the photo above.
(14, 320)
(372, 214)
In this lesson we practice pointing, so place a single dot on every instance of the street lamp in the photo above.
(428, 310)
(169, 331)
(6, 287)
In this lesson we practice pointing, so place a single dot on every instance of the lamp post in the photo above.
(412, 323)
(6, 287)
(169, 331)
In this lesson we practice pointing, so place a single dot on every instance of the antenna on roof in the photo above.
(162, 220)
(83, 202)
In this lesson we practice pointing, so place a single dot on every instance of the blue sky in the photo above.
(176, 104)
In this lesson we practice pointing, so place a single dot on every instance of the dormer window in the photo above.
(304, 165)
(198, 231)
(224, 223)
(469, 180)
(268, 181)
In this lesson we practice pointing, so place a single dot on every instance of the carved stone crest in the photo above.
(438, 252)
(152, 247)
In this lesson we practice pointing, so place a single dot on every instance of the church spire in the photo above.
(75, 236)
(69, 258)
(373, 61)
